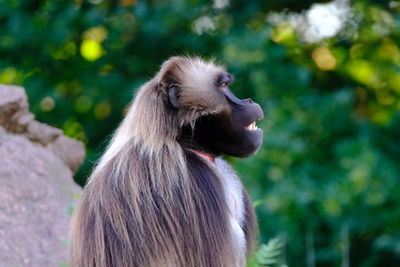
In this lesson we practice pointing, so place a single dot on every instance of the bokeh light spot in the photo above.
(98, 34)
(95, 2)
(275, 173)
(274, 204)
(83, 104)
(389, 51)
(359, 178)
(91, 50)
(282, 33)
(203, 24)
(220, 4)
(47, 104)
(74, 129)
(324, 58)
(326, 20)
(102, 110)
(363, 72)
(8, 75)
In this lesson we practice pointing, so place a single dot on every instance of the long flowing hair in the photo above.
(148, 202)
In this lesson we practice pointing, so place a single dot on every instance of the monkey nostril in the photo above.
(248, 101)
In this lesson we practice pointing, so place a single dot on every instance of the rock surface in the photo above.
(37, 163)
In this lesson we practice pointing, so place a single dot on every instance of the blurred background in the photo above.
(327, 74)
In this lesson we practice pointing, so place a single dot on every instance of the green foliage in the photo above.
(327, 176)
(269, 255)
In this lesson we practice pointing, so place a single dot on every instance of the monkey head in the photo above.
(211, 118)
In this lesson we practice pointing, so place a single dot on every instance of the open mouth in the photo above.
(252, 126)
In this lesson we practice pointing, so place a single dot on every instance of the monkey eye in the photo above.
(223, 80)
(223, 85)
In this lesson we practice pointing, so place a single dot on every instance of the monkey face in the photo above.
(240, 137)
(230, 129)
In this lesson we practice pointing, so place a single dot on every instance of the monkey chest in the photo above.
(233, 190)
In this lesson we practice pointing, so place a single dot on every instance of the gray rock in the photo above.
(14, 113)
(70, 151)
(36, 185)
(42, 133)
(16, 118)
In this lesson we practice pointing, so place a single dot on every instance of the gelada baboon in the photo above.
(160, 195)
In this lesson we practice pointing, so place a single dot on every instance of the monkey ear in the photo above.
(168, 76)
(173, 95)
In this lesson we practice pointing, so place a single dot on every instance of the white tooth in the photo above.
(252, 126)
